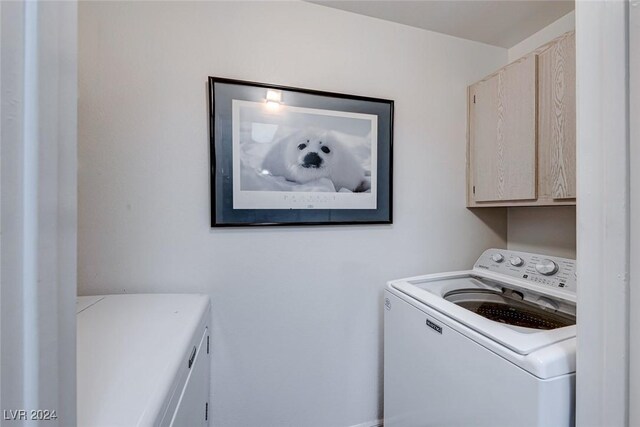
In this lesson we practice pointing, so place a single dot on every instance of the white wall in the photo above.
(38, 203)
(297, 334)
(544, 230)
(602, 362)
(634, 291)
(565, 24)
(550, 231)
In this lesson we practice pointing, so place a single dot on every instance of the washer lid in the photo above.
(432, 289)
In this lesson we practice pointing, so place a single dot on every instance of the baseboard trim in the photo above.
(372, 423)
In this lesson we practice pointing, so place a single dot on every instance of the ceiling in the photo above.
(502, 23)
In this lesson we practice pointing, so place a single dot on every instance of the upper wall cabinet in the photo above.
(503, 133)
(557, 118)
(521, 146)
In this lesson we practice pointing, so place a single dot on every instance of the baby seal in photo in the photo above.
(307, 156)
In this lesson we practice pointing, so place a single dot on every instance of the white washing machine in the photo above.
(492, 346)
(143, 360)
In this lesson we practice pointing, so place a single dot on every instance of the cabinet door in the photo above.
(557, 114)
(503, 134)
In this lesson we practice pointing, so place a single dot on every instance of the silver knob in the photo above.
(497, 257)
(516, 261)
(547, 267)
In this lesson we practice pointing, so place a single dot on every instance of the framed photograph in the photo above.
(288, 156)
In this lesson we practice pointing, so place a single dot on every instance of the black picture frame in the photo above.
(245, 192)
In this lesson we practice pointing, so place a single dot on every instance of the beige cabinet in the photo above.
(557, 118)
(503, 133)
(521, 139)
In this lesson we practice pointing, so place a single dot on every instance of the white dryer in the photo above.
(143, 360)
(492, 346)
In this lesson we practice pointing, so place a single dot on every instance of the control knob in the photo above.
(516, 261)
(547, 267)
(497, 257)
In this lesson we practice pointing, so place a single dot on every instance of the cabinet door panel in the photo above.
(503, 134)
(557, 126)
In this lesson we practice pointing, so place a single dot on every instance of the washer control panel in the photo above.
(559, 273)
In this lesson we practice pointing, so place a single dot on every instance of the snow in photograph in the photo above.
(323, 158)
